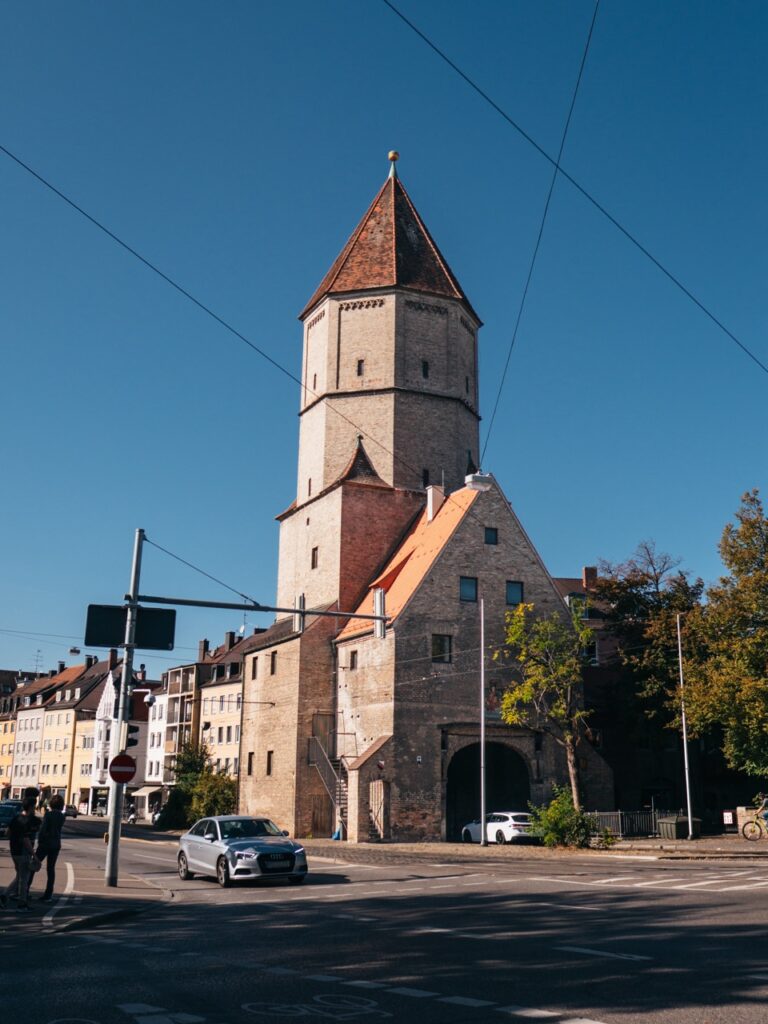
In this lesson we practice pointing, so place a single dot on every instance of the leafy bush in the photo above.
(176, 812)
(213, 794)
(559, 823)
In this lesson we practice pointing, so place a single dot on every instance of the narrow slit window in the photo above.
(314, 558)
(270, 761)
(360, 367)
(425, 369)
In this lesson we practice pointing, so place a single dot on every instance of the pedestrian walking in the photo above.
(49, 842)
(21, 833)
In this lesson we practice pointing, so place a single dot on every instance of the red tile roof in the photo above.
(390, 246)
(412, 560)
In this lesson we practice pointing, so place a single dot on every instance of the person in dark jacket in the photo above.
(21, 833)
(49, 842)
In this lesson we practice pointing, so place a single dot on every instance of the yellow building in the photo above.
(221, 702)
(72, 702)
(82, 763)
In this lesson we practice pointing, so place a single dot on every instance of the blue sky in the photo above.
(237, 145)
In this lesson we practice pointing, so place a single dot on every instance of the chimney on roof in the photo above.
(141, 675)
(589, 577)
(112, 659)
(90, 661)
(229, 639)
(62, 666)
(259, 629)
(202, 650)
(51, 673)
(435, 499)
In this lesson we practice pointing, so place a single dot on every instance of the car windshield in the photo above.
(248, 828)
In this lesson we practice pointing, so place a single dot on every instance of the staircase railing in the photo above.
(334, 780)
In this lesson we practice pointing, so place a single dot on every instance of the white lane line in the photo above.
(415, 993)
(697, 885)
(618, 878)
(525, 1011)
(64, 899)
(757, 977)
(602, 952)
(737, 888)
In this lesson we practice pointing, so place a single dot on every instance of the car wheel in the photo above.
(466, 836)
(500, 838)
(222, 873)
(184, 873)
(296, 879)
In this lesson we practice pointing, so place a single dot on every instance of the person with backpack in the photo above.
(49, 842)
(21, 833)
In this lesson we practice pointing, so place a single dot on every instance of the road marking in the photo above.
(602, 952)
(736, 888)
(465, 1001)
(64, 899)
(416, 993)
(618, 878)
(525, 1011)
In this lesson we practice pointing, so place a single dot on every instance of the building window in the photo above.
(237, 734)
(424, 369)
(229, 734)
(353, 660)
(313, 558)
(466, 384)
(254, 668)
(314, 382)
(220, 734)
(360, 367)
(250, 762)
(491, 535)
(442, 648)
(273, 663)
(221, 702)
(425, 478)
(468, 588)
(309, 487)
(270, 759)
(514, 592)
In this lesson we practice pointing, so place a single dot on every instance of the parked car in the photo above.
(70, 811)
(240, 848)
(15, 804)
(501, 827)
(7, 813)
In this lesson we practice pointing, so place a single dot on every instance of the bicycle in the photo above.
(755, 828)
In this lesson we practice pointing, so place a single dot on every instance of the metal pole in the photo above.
(116, 788)
(685, 729)
(483, 826)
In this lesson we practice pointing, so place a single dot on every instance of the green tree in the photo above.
(213, 794)
(547, 655)
(559, 823)
(640, 600)
(191, 761)
(726, 645)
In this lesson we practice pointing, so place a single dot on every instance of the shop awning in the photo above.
(146, 791)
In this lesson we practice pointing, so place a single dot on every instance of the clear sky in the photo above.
(237, 145)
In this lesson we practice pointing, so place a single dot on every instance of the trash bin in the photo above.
(676, 827)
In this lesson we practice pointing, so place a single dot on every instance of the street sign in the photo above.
(122, 768)
(105, 627)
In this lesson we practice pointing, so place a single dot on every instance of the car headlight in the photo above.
(247, 855)
(300, 854)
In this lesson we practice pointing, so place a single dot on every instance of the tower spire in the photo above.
(393, 157)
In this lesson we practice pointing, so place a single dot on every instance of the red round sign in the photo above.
(122, 768)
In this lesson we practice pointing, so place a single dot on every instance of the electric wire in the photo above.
(202, 572)
(579, 188)
(540, 235)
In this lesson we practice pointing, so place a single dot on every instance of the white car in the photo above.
(500, 827)
(234, 847)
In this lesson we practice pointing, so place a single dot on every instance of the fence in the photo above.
(630, 823)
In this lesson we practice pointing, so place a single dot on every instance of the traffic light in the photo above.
(132, 738)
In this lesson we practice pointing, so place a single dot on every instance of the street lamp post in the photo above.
(483, 828)
(685, 729)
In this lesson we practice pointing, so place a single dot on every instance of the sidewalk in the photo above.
(725, 847)
(81, 900)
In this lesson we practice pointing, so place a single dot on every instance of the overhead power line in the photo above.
(670, 275)
(541, 231)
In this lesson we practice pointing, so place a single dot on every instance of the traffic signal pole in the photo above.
(117, 788)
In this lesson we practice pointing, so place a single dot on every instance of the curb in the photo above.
(110, 916)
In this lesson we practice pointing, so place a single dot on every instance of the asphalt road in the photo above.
(574, 939)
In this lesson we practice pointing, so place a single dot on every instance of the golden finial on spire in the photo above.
(393, 156)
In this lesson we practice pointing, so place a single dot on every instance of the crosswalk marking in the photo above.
(693, 883)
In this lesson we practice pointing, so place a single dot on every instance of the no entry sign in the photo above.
(122, 768)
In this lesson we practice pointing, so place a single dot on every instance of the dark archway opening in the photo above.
(507, 785)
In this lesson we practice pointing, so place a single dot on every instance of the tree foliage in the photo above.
(546, 655)
(213, 794)
(559, 823)
(726, 645)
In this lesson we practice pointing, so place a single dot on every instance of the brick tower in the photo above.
(388, 401)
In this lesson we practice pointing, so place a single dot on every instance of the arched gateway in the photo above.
(507, 785)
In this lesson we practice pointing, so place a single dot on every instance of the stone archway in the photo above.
(507, 785)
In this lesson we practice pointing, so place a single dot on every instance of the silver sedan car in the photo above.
(240, 847)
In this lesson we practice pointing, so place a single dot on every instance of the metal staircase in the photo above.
(333, 772)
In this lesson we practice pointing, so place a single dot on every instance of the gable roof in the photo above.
(390, 246)
(412, 560)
